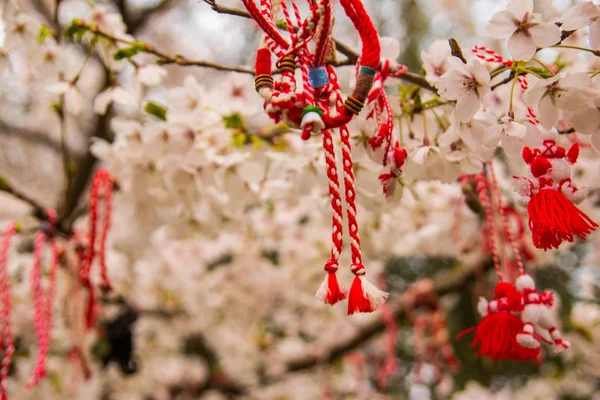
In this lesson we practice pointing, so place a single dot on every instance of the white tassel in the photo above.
(376, 297)
(323, 290)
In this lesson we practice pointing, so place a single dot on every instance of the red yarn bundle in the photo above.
(553, 218)
(496, 338)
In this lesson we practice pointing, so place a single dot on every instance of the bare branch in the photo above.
(29, 135)
(7, 187)
(341, 47)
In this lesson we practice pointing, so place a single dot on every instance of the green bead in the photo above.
(367, 70)
(308, 109)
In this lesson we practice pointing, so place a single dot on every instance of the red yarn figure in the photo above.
(508, 329)
(550, 196)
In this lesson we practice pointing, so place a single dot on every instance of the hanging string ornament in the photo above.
(318, 107)
(6, 334)
(550, 196)
(73, 256)
(430, 330)
(518, 317)
(43, 300)
(96, 246)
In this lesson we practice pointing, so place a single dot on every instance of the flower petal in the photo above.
(520, 7)
(466, 106)
(492, 136)
(502, 25)
(512, 146)
(548, 112)
(521, 46)
(545, 35)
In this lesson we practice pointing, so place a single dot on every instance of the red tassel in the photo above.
(357, 301)
(364, 296)
(335, 292)
(331, 290)
(553, 218)
(573, 153)
(496, 337)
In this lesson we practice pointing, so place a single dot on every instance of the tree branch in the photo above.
(29, 135)
(38, 209)
(344, 49)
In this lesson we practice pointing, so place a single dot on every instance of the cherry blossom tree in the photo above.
(168, 207)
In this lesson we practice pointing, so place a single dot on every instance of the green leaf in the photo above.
(76, 30)
(45, 32)
(281, 24)
(4, 185)
(239, 139)
(159, 111)
(541, 72)
(128, 52)
(56, 107)
(233, 121)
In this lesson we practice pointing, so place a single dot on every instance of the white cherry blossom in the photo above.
(151, 75)
(510, 134)
(114, 94)
(581, 15)
(548, 96)
(72, 94)
(467, 83)
(524, 29)
(435, 60)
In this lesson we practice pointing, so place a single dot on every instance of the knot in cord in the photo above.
(331, 266)
(358, 269)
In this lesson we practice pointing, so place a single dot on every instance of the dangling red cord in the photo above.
(43, 302)
(496, 334)
(332, 290)
(5, 314)
(364, 296)
(102, 182)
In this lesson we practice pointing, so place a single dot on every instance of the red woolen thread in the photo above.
(102, 182)
(489, 55)
(266, 25)
(324, 36)
(263, 61)
(364, 296)
(5, 295)
(391, 333)
(482, 191)
(43, 302)
(331, 291)
(507, 228)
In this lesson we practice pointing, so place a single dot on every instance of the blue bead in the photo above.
(318, 77)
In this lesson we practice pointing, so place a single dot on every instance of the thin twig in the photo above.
(31, 136)
(352, 55)
(7, 187)
(505, 80)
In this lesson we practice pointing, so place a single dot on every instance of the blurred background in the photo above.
(214, 297)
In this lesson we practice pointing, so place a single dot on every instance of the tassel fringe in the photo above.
(364, 296)
(331, 290)
(553, 218)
